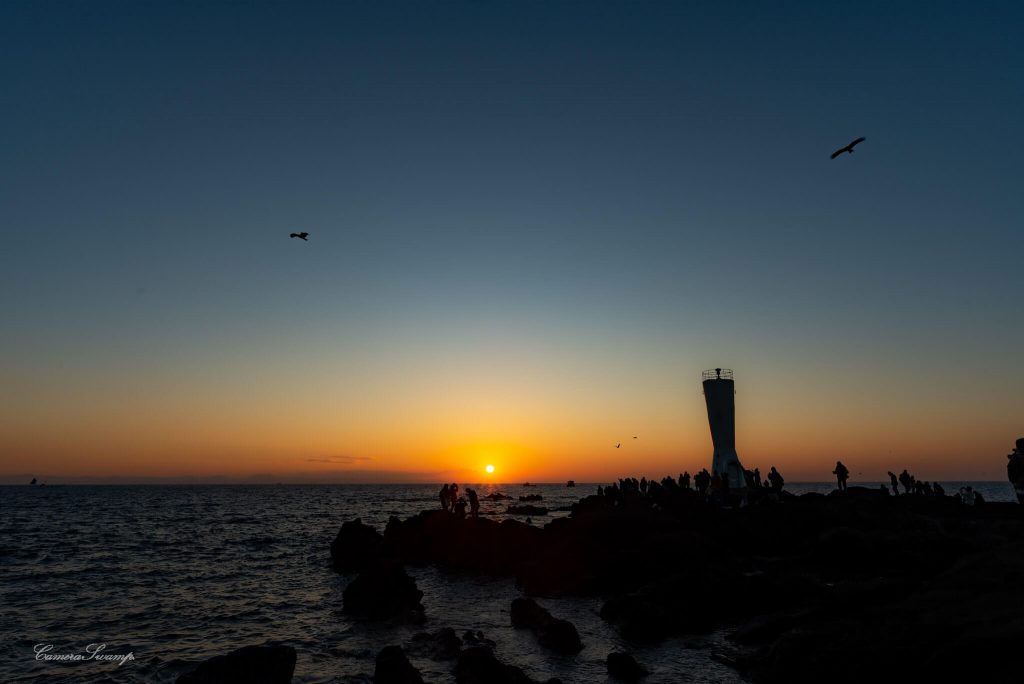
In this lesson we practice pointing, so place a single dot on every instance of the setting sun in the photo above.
(489, 469)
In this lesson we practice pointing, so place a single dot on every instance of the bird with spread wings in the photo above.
(848, 148)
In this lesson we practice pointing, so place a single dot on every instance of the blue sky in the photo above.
(635, 190)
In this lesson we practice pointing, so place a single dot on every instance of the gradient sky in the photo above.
(532, 226)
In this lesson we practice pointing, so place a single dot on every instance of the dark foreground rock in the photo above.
(356, 546)
(384, 591)
(443, 644)
(554, 633)
(478, 665)
(624, 666)
(394, 668)
(247, 665)
(853, 584)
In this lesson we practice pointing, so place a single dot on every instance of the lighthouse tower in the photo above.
(719, 395)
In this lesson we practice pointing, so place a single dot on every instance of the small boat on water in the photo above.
(570, 483)
(529, 484)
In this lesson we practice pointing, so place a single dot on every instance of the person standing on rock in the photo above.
(906, 480)
(445, 497)
(842, 474)
(775, 479)
(474, 502)
(895, 483)
(1015, 469)
(684, 480)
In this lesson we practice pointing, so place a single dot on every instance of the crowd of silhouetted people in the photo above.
(451, 502)
(715, 488)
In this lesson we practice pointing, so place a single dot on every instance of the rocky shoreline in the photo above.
(849, 587)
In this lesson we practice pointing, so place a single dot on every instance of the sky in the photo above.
(531, 226)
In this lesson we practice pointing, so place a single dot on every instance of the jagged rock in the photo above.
(383, 591)
(624, 666)
(394, 668)
(527, 509)
(443, 644)
(246, 665)
(496, 496)
(478, 665)
(554, 633)
(356, 546)
(471, 638)
(531, 497)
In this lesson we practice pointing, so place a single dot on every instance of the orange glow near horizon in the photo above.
(317, 427)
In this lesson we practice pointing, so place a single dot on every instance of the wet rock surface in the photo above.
(247, 665)
(554, 633)
(383, 591)
(355, 547)
(393, 667)
(860, 578)
(478, 665)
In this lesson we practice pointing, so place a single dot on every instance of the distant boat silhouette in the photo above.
(33, 481)
(527, 484)
(301, 236)
(570, 483)
(848, 148)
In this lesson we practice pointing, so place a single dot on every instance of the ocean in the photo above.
(176, 574)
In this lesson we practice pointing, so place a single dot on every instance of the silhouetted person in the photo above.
(453, 494)
(939, 491)
(895, 483)
(445, 498)
(967, 495)
(848, 148)
(775, 480)
(757, 477)
(474, 502)
(33, 481)
(702, 481)
(600, 490)
(684, 480)
(460, 507)
(906, 480)
(643, 485)
(842, 474)
(301, 236)
(1015, 469)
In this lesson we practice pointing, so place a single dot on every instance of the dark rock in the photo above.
(624, 666)
(247, 665)
(478, 665)
(440, 645)
(383, 591)
(496, 496)
(531, 497)
(471, 638)
(394, 668)
(355, 547)
(527, 509)
(556, 634)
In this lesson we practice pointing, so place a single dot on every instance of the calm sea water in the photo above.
(177, 574)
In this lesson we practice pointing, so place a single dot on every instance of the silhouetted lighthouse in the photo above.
(719, 395)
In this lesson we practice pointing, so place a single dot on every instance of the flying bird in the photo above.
(301, 236)
(848, 148)
(618, 445)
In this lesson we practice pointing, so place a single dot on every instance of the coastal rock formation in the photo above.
(246, 665)
(443, 644)
(496, 496)
(394, 668)
(624, 666)
(478, 665)
(355, 547)
(531, 497)
(554, 633)
(862, 578)
(384, 591)
(527, 509)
